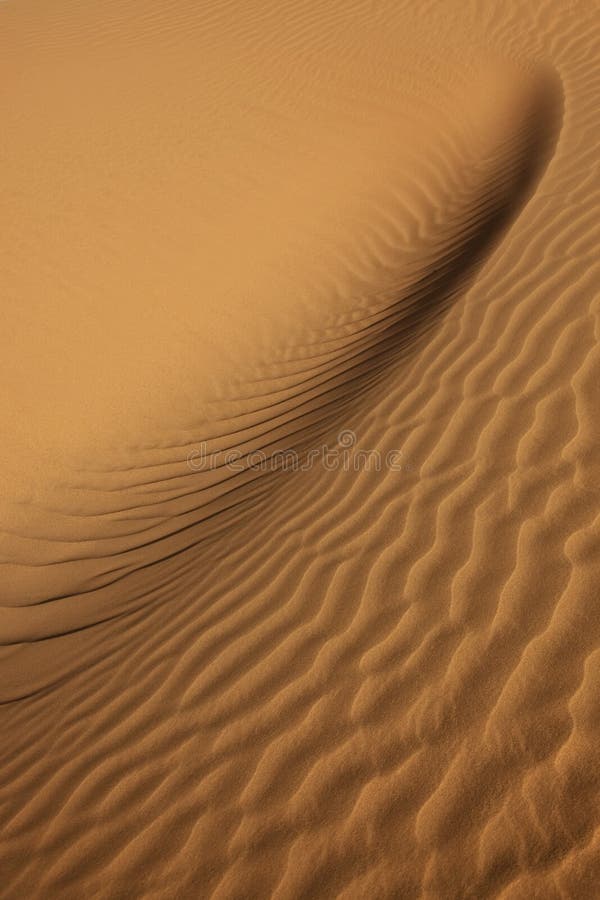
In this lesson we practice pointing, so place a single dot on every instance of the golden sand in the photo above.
(233, 663)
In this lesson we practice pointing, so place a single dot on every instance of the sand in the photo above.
(300, 458)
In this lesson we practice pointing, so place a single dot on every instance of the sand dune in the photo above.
(299, 524)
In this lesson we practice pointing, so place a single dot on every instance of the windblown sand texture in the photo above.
(233, 227)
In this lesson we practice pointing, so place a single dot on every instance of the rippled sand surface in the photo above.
(300, 458)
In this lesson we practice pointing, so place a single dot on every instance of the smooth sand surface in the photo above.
(236, 233)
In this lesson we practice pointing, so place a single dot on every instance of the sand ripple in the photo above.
(369, 226)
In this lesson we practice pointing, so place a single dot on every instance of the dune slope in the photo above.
(299, 529)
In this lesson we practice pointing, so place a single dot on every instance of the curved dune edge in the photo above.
(371, 684)
(66, 568)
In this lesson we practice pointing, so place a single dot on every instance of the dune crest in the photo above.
(365, 278)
